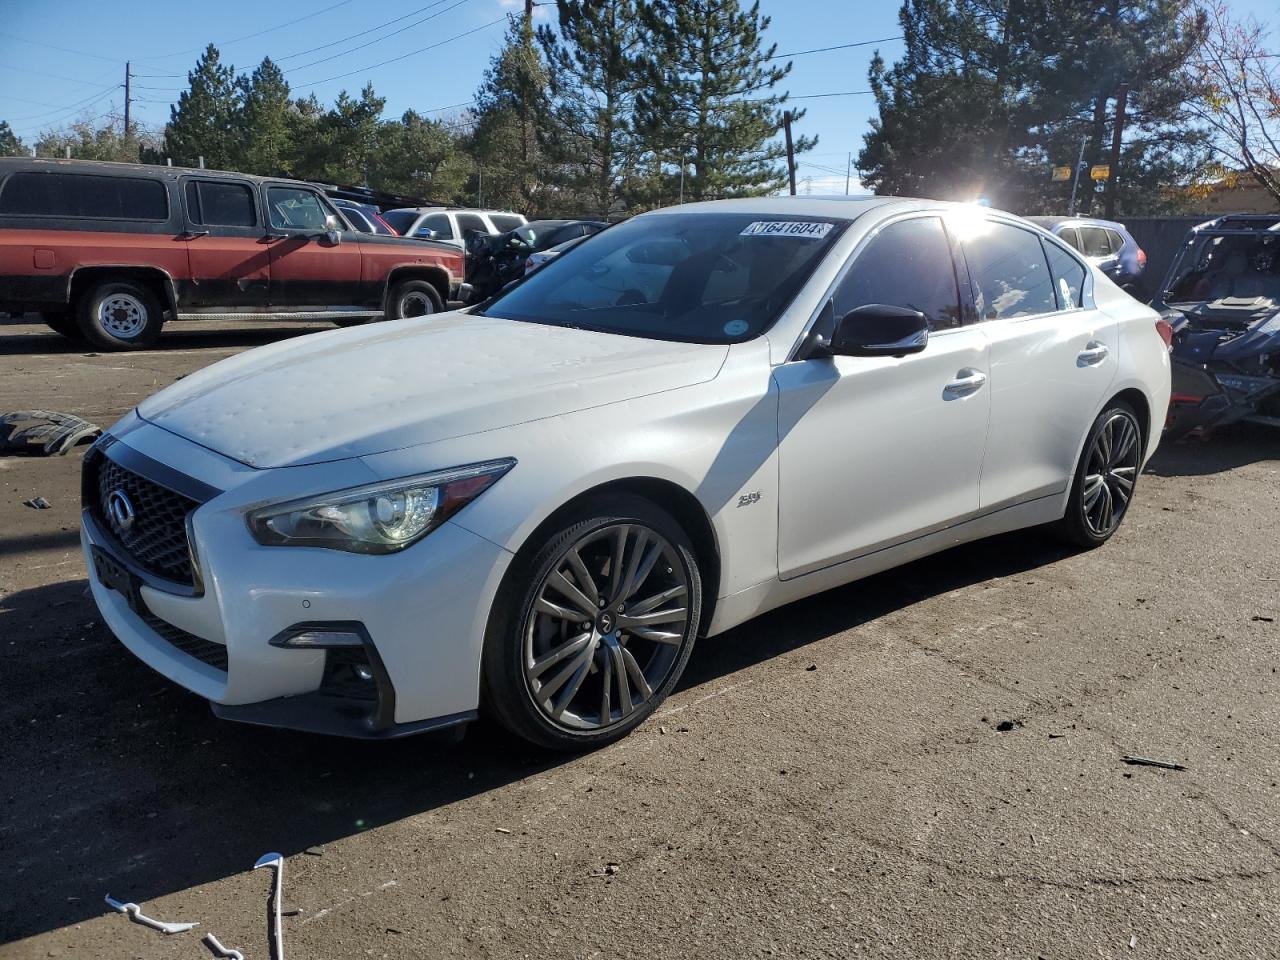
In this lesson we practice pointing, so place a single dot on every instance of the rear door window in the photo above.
(1094, 242)
(471, 221)
(1068, 276)
(1009, 272)
(84, 196)
(1115, 240)
(908, 264)
(216, 204)
(438, 222)
(503, 222)
(1070, 236)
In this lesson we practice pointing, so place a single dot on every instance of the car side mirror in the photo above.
(879, 330)
(428, 234)
(332, 231)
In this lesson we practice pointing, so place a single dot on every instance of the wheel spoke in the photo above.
(548, 660)
(543, 605)
(657, 636)
(571, 689)
(636, 674)
(585, 583)
(624, 686)
(625, 589)
(1122, 447)
(678, 615)
(644, 606)
(548, 690)
(616, 561)
(606, 709)
(643, 571)
(560, 583)
(1093, 484)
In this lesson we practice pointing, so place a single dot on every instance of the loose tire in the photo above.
(413, 298)
(1106, 478)
(120, 315)
(64, 323)
(593, 627)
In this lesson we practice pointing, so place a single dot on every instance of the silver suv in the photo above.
(450, 224)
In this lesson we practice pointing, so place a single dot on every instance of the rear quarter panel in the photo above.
(1143, 356)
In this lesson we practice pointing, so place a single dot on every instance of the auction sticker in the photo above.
(801, 229)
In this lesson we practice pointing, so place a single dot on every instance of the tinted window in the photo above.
(691, 277)
(1009, 272)
(907, 265)
(437, 222)
(1116, 241)
(357, 218)
(471, 221)
(79, 195)
(1070, 236)
(503, 222)
(401, 220)
(1095, 242)
(1068, 276)
(295, 209)
(220, 204)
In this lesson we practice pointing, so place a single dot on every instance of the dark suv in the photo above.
(1107, 244)
(111, 251)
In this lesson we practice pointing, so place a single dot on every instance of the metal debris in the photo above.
(218, 950)
(1148, 762)
(37, 503)
(275, 936)
(137, 916)
(44, 433)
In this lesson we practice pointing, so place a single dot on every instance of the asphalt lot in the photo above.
(924, 764)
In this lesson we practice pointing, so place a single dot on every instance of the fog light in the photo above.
(313, 638)
(362, 671)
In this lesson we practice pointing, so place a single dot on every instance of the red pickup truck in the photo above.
(110, 251)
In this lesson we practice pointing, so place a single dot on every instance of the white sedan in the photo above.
(536, 507)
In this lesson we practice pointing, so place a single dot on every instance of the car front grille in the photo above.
(157, 538)
(206, 651)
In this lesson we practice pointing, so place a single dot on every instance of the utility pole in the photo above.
(1122, 98)
(127, 97)
(1075, 181)
(848, 167)
(684, 161)
(791, 154)
(528, 11)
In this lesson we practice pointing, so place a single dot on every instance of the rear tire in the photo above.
(413, 298)
(570, 678)
(119, 315)
(63, 322)
(1106, 478)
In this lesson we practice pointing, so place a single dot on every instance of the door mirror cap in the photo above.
(428, 234)
(332, 231)
(879, 330)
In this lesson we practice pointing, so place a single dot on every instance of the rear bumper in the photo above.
(1203, 399)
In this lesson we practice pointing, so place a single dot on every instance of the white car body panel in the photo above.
(809, 474)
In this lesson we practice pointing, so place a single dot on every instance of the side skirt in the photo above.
(301, 313)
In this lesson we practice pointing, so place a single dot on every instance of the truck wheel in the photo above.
(119, 315)
(62, 322)
(413, 298)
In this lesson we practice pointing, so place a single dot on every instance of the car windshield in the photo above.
(690, 277)
(1226, 266)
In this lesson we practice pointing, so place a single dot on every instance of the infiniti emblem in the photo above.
(120, 510)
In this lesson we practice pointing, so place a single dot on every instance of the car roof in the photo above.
(111, 168)
(836, 207)
(1076, 222)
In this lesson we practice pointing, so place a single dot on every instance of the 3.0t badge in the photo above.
(120, 511)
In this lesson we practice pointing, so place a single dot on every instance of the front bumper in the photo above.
(423, 611)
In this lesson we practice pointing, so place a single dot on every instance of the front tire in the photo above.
(593, 627)
(413, 298)
(1106, 478)
(120, 316)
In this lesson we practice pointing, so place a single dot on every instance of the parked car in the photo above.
(111, 251)
(364, 217)
(1108, 245)
(537, 507)
(1222, 299)
(449, 224)
(539, 257)
(493, 261)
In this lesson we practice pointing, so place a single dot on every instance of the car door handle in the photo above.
(967, 381)
(1092, 355)
(193, 234)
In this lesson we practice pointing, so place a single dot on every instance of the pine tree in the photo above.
(205, 119)
(989, 95)
(711, 99)
(10, 145)
(512, 128)
(419, 157)
(595, 73)
(262, 128)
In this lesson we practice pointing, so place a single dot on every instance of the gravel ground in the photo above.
(923, 764)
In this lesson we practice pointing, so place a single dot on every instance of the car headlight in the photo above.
(377, 518)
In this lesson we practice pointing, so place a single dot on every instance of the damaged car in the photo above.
(1222, 299)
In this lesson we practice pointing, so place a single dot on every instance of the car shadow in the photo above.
(1235, 446)
(37, 340)
(117, 781)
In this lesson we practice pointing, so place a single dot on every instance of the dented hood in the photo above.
(351, 393)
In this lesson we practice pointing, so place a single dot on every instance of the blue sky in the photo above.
(41, 85)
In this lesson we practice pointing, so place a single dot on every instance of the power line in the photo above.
(843, 46)
(71, 108)
(404, 56)
(258, 33)
(369, 43)
(52, 76)
(842, 93)
(334, 43)
(52, 46)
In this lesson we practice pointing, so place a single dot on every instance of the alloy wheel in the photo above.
(122, 315)
(607, 627)
(1111, 473)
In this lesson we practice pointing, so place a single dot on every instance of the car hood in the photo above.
(366, 390)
